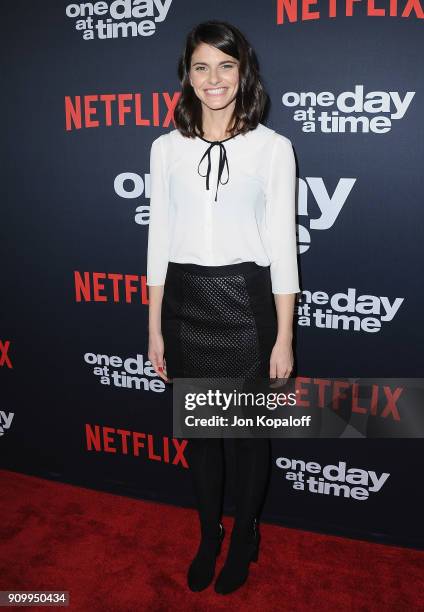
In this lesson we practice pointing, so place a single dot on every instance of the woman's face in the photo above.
(214, 76)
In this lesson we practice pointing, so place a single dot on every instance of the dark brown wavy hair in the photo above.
(251, 97)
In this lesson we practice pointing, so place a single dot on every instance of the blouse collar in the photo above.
(223, 161)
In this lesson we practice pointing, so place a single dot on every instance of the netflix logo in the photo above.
(104, 110)
(110, 287)
(4, 354)
(102, 439)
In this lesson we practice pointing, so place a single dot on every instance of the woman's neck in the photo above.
(216, 124)
(214, 133)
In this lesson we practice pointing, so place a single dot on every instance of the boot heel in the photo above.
(255, 552)
(221, 539)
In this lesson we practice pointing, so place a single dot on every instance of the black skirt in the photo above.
(218, 321)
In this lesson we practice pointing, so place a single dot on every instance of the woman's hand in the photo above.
(155, 355)
(281, 360)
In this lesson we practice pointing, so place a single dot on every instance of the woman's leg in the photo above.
(206, 463)
(252, 471)
(205, 456)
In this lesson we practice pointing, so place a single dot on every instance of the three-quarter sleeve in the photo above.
(158, 236)
(281, 217)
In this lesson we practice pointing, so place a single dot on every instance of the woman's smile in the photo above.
(216, 91)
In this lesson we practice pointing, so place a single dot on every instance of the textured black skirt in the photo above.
(218, 321)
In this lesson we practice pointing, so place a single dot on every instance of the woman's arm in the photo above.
(156, 344)
(158, 237)
(285, 310)
(281, 226)
(157, 253)
(155, 307)
(281, 362)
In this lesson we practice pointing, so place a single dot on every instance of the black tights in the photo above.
(206, 463)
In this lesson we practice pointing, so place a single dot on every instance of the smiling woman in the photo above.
(217, 79)
(214, 263)
(222, 93)
(214, 76)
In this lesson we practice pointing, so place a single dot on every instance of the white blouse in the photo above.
(223, 202)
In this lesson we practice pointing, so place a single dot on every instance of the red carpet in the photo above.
(116, 553)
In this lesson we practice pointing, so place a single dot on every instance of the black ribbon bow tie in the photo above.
(222, 162)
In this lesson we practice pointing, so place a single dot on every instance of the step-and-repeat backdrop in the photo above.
(87, 88)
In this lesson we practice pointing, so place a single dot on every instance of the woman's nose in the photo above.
(214, 78)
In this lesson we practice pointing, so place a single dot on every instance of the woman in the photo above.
(222, 269)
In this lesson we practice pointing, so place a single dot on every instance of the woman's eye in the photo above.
(204, 67)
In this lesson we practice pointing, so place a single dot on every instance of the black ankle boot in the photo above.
(244, 548)
(202, 569)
